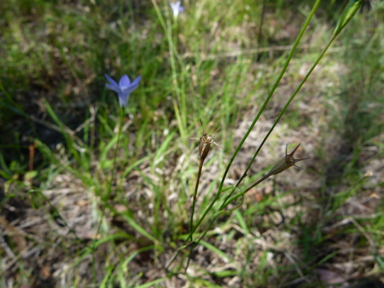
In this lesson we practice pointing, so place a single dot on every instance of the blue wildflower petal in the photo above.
(124, 88)
(129, 90)
(133, 86)
(124, 82)
(136, 81)
(113, 82)
(114, 88)
(123, 99)
(176, 8)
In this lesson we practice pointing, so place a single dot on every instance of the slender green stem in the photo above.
(258, 116)
(286, 105)
(181, 113)
(223, 206)
(312, 13)
(225, 203)
(229, 199)
(109, 189)
(173, 45)
(249, 131)
(233, 198)
(262, 14)
(172, 49)
(337, 32)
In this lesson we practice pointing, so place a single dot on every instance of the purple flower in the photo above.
(176, 8)
(124, 88)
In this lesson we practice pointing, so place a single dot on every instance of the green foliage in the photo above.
(227, 65)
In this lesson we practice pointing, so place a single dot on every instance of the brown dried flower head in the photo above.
(205, 143)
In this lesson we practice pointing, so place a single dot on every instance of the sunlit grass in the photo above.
(52, 84)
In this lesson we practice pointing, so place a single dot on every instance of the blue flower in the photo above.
(124, 88)
(176, 8)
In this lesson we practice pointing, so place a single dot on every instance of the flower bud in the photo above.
(349, 11)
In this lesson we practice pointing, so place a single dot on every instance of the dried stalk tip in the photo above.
(286, 162)
(205, 143)
(204, 147)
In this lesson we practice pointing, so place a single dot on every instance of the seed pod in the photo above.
(205, 143)
(204, 146)
(348, 13)
(286, 162)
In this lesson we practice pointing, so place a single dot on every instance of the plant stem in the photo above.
(193, 210)
(257, 118)
(194, 197)
(225, 204)
(228, 199)
(249, 131)
(109, 189)
(180, 104)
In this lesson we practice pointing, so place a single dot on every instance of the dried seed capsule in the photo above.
(286, 162)
(204, 147)
(205, 143)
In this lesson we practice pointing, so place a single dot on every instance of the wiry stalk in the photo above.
(225, 204)
(204, 147)
(283, 164)
(348, 14)
(193, 210)
(109, 190)
(194, 198)
(256, 119)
